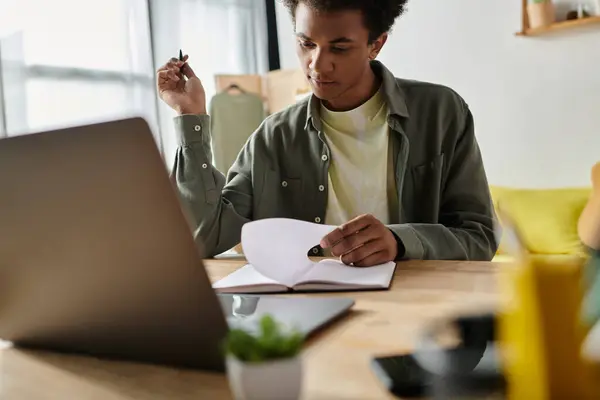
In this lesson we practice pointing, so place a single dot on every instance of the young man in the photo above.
(393, 163)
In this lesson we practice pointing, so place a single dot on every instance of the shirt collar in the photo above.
(394, 96)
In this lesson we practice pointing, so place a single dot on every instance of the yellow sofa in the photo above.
(545, 218)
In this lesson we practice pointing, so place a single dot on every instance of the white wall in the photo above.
(536, 101)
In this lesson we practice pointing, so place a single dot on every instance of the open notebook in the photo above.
(277, 249)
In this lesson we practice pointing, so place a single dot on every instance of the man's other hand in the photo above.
(365, 241)
(180, 88)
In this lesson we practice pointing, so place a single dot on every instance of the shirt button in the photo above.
(204, 165)
(284, 183)
(318, 220)
(321, 188)
(315, 250)
(324, 157)
(197, 128)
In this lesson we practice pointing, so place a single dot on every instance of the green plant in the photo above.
(270, 343)
(539, 1)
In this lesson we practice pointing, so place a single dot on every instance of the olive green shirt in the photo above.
(444, 207)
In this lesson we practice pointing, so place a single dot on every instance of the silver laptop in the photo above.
(96, 256)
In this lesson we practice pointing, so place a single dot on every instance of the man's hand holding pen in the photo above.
(180, 88)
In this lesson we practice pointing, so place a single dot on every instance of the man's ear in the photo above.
(377, 45)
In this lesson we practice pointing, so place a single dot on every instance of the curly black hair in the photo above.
(379, 15)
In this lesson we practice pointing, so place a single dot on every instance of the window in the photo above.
(68, 62)
(75, 62)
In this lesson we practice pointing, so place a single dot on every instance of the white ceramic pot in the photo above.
(541, 14)
(272, 380)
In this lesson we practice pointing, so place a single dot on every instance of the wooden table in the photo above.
(337, 360)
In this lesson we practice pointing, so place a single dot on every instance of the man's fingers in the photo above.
(172, 64)
(165, 76)
(347, 229)
(188, 71)
(169, 67)
(332, 238)
(363, 252)
(352, 241)
(357, 224)
(171, 74)
(373, 259)
(174, 76)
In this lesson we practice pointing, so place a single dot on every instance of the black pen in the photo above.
(181, 76)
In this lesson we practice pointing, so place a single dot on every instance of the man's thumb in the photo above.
(188, 71)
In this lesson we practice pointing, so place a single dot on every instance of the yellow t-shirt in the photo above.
(358, 141)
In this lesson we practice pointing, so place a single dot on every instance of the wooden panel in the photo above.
(250, 83)
(282, 87)
(278, 89)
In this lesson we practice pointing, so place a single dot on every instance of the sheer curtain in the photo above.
(71, 62)
(220, 36)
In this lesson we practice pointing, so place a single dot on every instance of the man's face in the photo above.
(334, 51)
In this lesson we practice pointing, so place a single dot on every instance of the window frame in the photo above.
(65, 74)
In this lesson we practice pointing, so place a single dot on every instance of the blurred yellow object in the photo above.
(546, 218)
(540, 330)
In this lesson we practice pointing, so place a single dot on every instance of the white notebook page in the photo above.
(278, 247)
(335, 271)
(245, 276)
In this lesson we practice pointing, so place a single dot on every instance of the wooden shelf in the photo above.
(559, 26)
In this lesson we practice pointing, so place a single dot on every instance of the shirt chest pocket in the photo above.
(423, 200)
(291, 193)
(281, 197)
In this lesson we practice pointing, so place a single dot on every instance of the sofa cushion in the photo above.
(545, 218)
